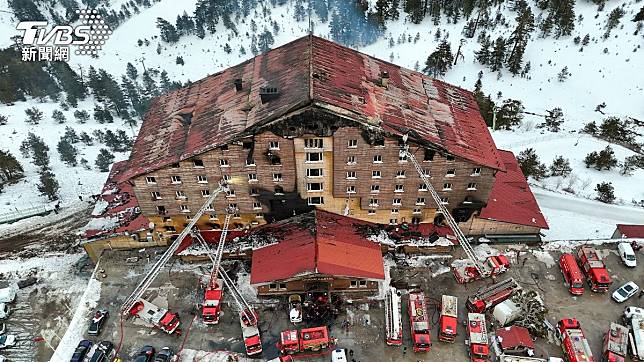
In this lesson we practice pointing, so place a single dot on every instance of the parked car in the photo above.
(627, 254)
(7, 340)
(295, 308)
(146, 354)
(27, 282)
(8, 294)
(630, 312)
(4, 310)
(102, 352)
(164, 355)
(625, 291)
(81, 351)
(97, 322)
(338, 355)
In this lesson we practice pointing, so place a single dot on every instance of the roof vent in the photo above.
(186, 118)
(268, 93)
(384, 78)
(238, 84)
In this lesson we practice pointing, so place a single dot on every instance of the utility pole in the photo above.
(494, 110)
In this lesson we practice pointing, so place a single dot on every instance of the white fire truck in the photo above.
(393, 318)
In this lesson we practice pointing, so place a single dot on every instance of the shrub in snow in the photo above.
(36, 148)
(34, 115)
(10, 168)
(632, 163)
(67, 152)
(3, 120)
(104, 160)
(605, 192)
(560, 167)
(48, 185)
(509, 114)
(531, 165)
(553, 120)
(81, 116)
(590, 128)
(604, 159)
(564, 74)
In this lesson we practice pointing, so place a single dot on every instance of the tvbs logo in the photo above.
(88, 37)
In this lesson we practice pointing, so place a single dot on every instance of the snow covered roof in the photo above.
(116, 210)
(318, 242)
(316, 73)
(511, 199)
(631, 231)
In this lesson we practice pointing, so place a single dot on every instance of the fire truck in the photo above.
(615, 344)
(155, 316)
(595, 269)
(449, 319)
(393, 318)
(469, 269)
(309, 340)
(573, 342)
(492, 295)
(571, 273)
(419, 322)
(211, 307)
(479, 348)
(636, 338)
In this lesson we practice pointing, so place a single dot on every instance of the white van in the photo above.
(338, 355)
(627, 254)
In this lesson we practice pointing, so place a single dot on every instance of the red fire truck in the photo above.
(157, 317)
(465, 271)
(595, 269)
(393, 318)
(479, 348)
(573, 342)
(250, 332)
(449, 319)
(571, 273)
(212, 303)
(312, 340)
(419, 322)
(492, 295)
(615, 344)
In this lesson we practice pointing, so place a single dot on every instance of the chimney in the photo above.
(268, 93)
(384, 78)
(238, 84)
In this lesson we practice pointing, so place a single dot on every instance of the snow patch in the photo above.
(100, 207)
(544, 257)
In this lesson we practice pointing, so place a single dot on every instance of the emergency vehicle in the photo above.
(419, 322)
(571, 273)
(449, 319)
(479, 348)
(492, 295)
(593, 266)
(157, 317)
(309, 340)
(615, 344)
(393, 318)
(573, 341)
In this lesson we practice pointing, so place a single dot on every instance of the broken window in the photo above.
(161, 210)
(276, 160)
(402, 157)
(449, 158)
(313, 143)
(392, 222)
(247, 145)
(316, 200)
(250, 162)
(380, 142)
(175, 165)
(224, 148)
(363, 283)
(352, 144)
(175, 179)
(314, 186)
(257, 205)
(476, 171)
(353, 284)
(429, 155)
(279, 190)
(151, 179)
(313, 156)
(254, 192)
(197, 163)
(314, 172)
(351, 175)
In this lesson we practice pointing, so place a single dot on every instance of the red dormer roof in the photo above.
(514, 337)
(325, 243)
(631, 231)
(511, 199)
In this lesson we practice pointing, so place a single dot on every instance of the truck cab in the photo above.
(449, 319)
(571, 273)
(479, 348)
(595, 269)
(211, 306)
(157, 317)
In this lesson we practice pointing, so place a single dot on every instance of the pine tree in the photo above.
(553, 120)
(265, 41)
(104, 160)
(640, 15)
(70, 135)
(48, 185)
(131, 71)
(166, 85)
(606, 159)
(519, 39)
(58, 116)
(613, 20)
(86, 139)
(485, 103)
(113, 93)
(560, 167)
(34, 115)
(564, 74)
(132, 92)
(180, 61)
(10, 168)
(67, 152)
(590, 128)
(36, 148)
(168, 31)
(605, 192)
(440, 61)
(509, 114)
(484, 54)
(498, 55)
(82, 116)
(227, 48)
(531, 165)
(565, 17)
(415, 10)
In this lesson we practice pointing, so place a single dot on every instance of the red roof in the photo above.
(514, 337)
(324, 243)
(511, 200)
(310, 71)
(631, 231)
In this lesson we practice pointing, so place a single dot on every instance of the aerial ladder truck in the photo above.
(470, 269)
(136, 306)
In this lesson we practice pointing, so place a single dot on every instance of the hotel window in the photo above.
(402, 157)
(379, 142)
(184, 208)
(314, 172)
(351, 160)
(375, 189)
(161, 210)
(259, 215)
(375, 174)
(313, 143)
(257, 205)
(395, 211)
(352, 144)
(471, 186)
(198, 163)
(181, 195)
(223, 162)
(202, 179)
(250, 162)
(393, 221)
(230, 193)
(444, 200)
(273, 145)
(426, 172)
(373, 202)
(400, 188)
(422, 187)
(232, 207)
(429, 155)
(205, 193)
(225, 177)
(212, 216)
(175, 165)
(151, 180)
(175, 179)
(447, 186)
(313, 156)
(314, 186)
(451, 172)
(317, 200)
(371, 212)
(476, 171)
(420, 201)
(417, 211)
(254, 192)
(276, 161)
(354, 284)
(400, 174)
(210, 208)
(156, 195)
(351, 175)
(377, 159)
(397, 201)
(277, 177)
(252, 177)
(362, 283)
(351, 189)
(449, 158)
